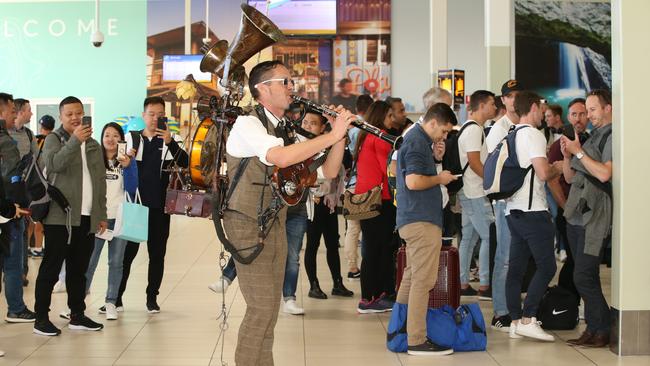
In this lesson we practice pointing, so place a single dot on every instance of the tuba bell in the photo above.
(256, 32)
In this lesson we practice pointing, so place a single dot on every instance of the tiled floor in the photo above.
(186, 332)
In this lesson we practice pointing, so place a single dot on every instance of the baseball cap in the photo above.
(47, 122)
(510, 86)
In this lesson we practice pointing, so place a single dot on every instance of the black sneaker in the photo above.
(84, 323)
(46, 328)
(502, 323)
(429, 348)
(152, 307)
(25, 316)
(485, 295)
(354, 276)
(469, 291)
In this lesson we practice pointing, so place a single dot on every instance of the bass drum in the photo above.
(203, 153)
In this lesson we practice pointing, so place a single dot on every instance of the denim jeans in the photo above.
(501, 259)
(116, 248)
(532, 234)
(13, 266)
(296, 228)
(586, 276)
(477, 217)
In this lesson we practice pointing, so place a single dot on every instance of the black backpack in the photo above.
(558, 309)
(451, 159)
(39, 190)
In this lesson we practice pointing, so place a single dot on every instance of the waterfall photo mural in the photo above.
(563, 48)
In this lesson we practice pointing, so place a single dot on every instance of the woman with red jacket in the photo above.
(371, 158)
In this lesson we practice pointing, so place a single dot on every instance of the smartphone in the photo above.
(458, 175)
(162, 123)
(87, 121)
(569, 132)
(121, 149)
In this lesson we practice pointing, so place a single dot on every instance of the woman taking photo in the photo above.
(121, 176)
(371, 157)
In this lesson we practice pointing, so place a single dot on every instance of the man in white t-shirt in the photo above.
(499, 130)
(476, 208)
(530, 222)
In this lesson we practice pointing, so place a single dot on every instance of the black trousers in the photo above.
(76, 255)
(156, 248)
(378, 262)
(325, 224)
(532, 234)
(586, 276)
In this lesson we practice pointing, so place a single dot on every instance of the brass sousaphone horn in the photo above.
(256, 32)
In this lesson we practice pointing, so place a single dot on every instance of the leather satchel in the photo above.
(362, 206)
(187, 202)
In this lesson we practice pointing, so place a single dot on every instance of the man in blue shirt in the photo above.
(419, 220)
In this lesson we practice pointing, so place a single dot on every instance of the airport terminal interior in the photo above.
(399, 55)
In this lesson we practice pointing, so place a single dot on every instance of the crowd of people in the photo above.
(93, 177)
(561, 211)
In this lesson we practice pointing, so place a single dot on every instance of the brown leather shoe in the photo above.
(585, 337)
(599, 340)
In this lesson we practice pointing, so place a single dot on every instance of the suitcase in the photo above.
(447, 288)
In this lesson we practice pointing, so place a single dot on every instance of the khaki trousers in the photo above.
(261, 285)
(423, 242)
(351, 246)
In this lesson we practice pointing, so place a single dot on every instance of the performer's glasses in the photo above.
(285, 81)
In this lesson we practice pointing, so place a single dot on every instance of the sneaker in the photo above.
(2, 353)
(469, 291)
(428, 348)
(290, 307)
(220, 286)
(46, 328)
(111, 311)
(354, 276)
(102, 310)
(25, 316)
(36, 253)
(373, 306)
(485, 295)
(65, 314)
(84, 323)
(533, 330)
(512, 332)
(502, 323)
(58, 287)
(152, 306)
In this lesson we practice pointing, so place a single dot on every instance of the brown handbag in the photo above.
(191, 203)
(362, 206)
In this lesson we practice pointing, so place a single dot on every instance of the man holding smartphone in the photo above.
(155, 150)
(75, 165)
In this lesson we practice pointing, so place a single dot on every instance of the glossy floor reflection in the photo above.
(186, 332)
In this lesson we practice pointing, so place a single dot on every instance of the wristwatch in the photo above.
(580, 155)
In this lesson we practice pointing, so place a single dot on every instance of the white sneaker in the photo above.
(220, 286)
(512, 332)
(290, 307)
(2, 353)
(533, 330)
(111, 311)
(58, 287)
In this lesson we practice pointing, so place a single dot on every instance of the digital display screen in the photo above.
(300, 16)
(177, 67)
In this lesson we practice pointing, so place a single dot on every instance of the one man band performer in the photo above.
(258, 138)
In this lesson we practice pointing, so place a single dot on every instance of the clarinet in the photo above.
(394, 141)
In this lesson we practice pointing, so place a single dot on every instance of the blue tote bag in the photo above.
(132, 221)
